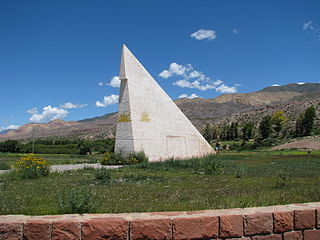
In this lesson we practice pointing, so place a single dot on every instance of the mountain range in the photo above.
(224, 109)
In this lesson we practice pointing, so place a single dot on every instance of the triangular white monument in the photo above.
(149, 121)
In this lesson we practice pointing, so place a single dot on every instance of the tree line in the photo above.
(270, 126)
(58, 146)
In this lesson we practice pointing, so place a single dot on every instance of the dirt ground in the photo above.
(310, 143)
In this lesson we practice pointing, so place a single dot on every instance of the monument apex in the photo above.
(149, 121)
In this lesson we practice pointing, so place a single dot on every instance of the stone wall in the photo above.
(288, 222)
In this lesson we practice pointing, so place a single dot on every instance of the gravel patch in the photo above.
(309, 144)
(66, 167)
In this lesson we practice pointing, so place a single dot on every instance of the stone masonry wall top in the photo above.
(283, 222)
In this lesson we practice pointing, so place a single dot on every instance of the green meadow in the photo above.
(229, 180)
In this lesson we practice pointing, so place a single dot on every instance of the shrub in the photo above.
(214, 167)
(282, 180)
(121, 159)
(106, 159)
(209, 165)
(4, 166)
(102, 175)
(241, 171)
(32, 166)
(76, 200)
(137, 157)
(113, 159)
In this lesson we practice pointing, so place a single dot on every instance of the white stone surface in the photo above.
(149, 121)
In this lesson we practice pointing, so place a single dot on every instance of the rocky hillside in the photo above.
(291, 110)
(294, 87)
(227, 108)
(257, 98)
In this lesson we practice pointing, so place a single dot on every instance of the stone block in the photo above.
(34, 230)
(151, 229)
(293, 236)
(105, 228)
(268, 237)
(304, 219)
(258, 223)
(70, 230)
(282, 221)
(231, 226)
(311, 234)
(10, 231)
(195, 228)
(243, 238)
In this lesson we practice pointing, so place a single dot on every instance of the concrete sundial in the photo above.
(148, 119)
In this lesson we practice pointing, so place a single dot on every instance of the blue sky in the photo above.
(57, 57)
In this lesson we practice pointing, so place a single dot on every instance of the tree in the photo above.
(12, 146)
(236, 130)
(247, 131)
(209, 132)
(278, 120)
(265, 127)
(305, 122)
(299, 125)
(84, 147)
(308, 122)
(233, 131)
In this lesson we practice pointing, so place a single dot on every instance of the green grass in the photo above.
(176, 185)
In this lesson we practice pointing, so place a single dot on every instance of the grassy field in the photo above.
(234, 179)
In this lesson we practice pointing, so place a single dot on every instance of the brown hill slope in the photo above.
(227, 108)
(291, 110)
(257, 98)
(197, 110)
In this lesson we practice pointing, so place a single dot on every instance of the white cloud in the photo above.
(108, 100)
(69, 105)
(235, 31)
(301, 83)
(10, 127)
(48, 114)
(217, 82)
(308, 26)
(115, 82)
(226, 89)
(204, 34)
(312, 29)
(275, 85)
(33, 110)
(193, 84)
(175, 69)
(193, 95)
(194, 79)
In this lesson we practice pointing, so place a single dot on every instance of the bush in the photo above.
(213, 167)
(113, 159)
(76, 200)
(4, 166)
(106, 159)
(121, 159)
(102, 175)
(137, 157)
(207, 165)
(241, 171)
(32, 166)
(282, 180)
